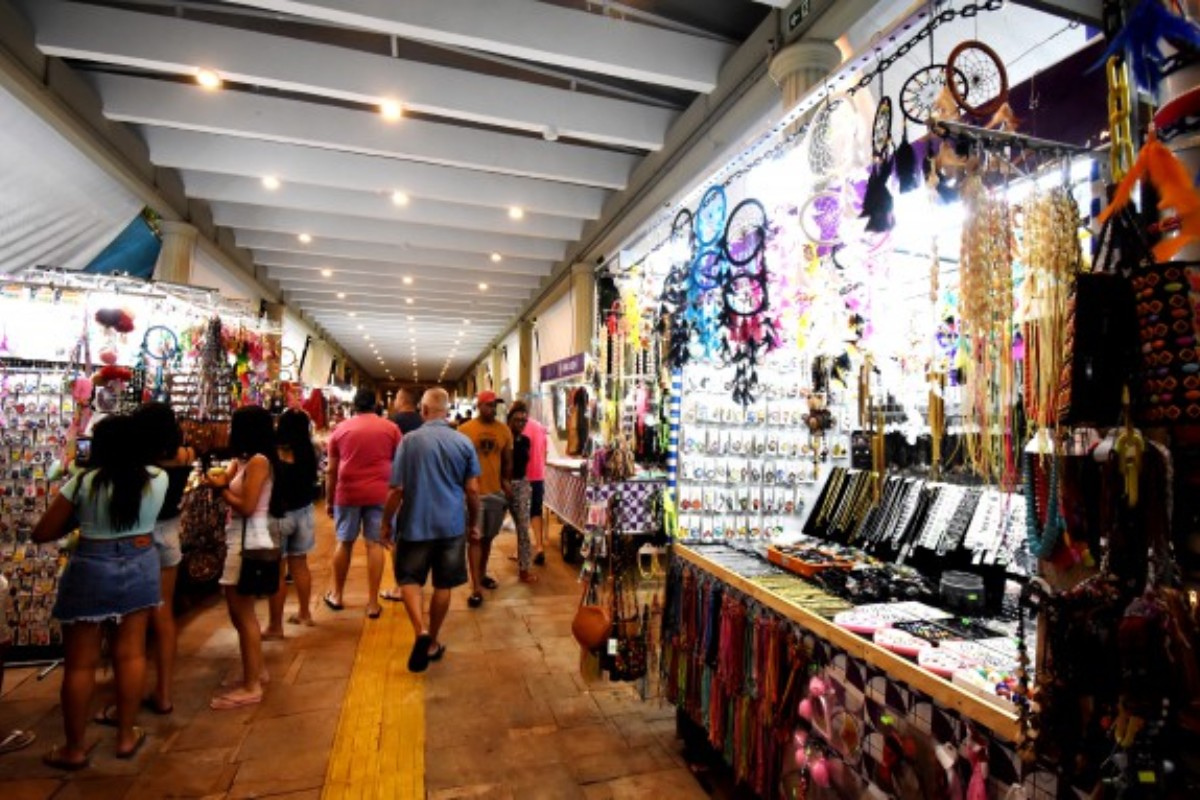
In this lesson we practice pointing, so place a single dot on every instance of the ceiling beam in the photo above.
(285, 249)
(232, 155)
(351, 273)
(183, 47)
(247, 217)
(375, 205)
(186, 106)
(534, 31)
(463, 307)
(424, 294)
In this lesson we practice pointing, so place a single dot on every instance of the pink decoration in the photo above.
(806, 708)
(108, 355)
(816, 686)
(81, 390)
(819, 770)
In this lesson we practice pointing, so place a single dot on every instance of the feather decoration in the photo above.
(877, 201)
(906, 164)
(1173, 183)
(1150, 23)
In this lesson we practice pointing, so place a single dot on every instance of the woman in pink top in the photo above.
(535, 473)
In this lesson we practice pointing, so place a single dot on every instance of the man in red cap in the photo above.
(494, 446)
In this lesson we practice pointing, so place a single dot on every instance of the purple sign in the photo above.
(566, 368)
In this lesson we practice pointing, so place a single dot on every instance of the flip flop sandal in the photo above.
(151, 705)
(272, 637)
(436, 655)
(391, 596)
(56, 761)
(418, 659)
(489, 582)
(225, 702)
(264, 678)
(142, 736)
(295, 619)
(106, 717)
(475, 600)
(328, 598)
(374, 614)
(16, 740)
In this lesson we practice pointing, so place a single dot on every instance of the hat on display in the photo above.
(483, 398)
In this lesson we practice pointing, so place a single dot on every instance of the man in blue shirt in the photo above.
(433, 470)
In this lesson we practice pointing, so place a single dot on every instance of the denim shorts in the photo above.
(494, 507)
(166, 541)
(446, 558)
(349, 520)
(107, 579)
(298, 532)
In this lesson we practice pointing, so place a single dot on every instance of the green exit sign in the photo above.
(798, 15)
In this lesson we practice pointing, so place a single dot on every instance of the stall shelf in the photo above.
(1000, 722)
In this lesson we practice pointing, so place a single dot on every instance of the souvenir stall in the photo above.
(929, 499)
(565, 388)
(74, 347)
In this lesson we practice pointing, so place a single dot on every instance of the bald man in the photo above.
(434, 470)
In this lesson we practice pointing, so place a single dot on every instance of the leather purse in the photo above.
(592, 624)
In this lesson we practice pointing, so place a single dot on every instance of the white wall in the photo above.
(510, 366)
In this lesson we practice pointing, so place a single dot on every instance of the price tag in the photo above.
(612, 647)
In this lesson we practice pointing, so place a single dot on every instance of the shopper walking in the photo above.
(248, 494)
(435, 468)
(295, 491)
(111, 578)
(360, 460)
(535, 473)
(493, 446)
(518, 418)
(161, 433)
(407, 417)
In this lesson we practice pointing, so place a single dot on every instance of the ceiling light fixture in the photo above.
(326, 273)
(270, 182)
(352, 314)
(407, 280)
(399, 198)
(550, 134)
(497, 258)
(208, 79)
(360, 327)
(408, 300)
(483, 287)
(466, 322)
(305, 238)
(367, 336)
(341, 296)
(516, 212)
(390, 110)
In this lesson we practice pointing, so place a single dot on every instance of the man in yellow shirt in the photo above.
(494, 446)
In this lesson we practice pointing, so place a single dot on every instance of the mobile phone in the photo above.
(83, 451)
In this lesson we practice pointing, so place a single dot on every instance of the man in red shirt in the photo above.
(360, 466)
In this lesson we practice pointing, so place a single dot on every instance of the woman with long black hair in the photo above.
(246, 487)
(295, 491)
(112, 578)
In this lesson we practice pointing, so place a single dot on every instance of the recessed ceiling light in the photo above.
(466, 322)
(408, 300)
(516, 212)
(399, 198)
(305, 238)
(407, 279)
(497, 258)
(326, 273)
(342, 296)
(410, 317)
(483, 287)
(270, 182)
(390, 110)
(360, 327)
(208, 79)
(367, 336)
(352, 314)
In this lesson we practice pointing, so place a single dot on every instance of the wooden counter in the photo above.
(1000, 721)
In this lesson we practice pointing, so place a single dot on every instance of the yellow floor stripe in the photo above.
(379, 749)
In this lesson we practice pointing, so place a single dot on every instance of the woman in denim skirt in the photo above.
(112, 578)
(295, 489)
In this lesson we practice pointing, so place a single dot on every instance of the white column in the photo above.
(799, 67)
(175, 258)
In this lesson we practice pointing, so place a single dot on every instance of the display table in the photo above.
(996, 719)
(566, 491)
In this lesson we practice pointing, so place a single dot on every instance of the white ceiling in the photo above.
(520, 117)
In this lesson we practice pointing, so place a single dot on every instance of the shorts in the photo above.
(538, 489)
(298, 532)
(166, 542)
(348, 520)
(494, 507)
(233, 549)
(446, 558)
(108, 579)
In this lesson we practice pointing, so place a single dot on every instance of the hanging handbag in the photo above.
(260, 569)
(592, 624)
(202, 517)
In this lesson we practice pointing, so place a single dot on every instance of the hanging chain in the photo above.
(1120, 157)
(937, 19)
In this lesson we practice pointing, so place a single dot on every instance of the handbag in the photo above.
(202, 534)
(592, 623)
(260, 569)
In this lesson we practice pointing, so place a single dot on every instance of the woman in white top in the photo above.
(248, 493)
(111, 579)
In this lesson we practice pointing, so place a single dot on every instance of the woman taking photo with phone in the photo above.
(112, 579)
(246, 487)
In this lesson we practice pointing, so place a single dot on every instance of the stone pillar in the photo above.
(497, 370)
(583, 302)
(274, 353)
(175, 258)
(799, 67)
(526, 367)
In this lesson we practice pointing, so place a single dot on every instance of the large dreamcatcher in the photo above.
(673, 302)
(984, 88)
(750, 332)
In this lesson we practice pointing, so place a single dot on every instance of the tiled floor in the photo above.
(507, 713)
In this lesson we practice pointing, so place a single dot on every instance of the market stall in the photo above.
(926, 400)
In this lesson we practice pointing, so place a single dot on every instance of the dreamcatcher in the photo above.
(160, 347)
(708, 270)
(878, 204)
(985, 88)
(749, 332)
(287, 363)
(673, 301)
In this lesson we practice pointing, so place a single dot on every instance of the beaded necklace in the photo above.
(1041, 542)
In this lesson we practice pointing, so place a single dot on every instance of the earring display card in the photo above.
(36, 414)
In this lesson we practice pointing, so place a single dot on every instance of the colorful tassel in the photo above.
(878, 204)
(1175, 190)
(906, 164)
(1150, 23)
